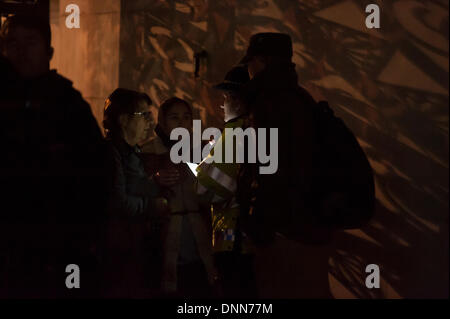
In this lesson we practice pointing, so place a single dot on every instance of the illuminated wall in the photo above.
(389, 85)
(88, 56)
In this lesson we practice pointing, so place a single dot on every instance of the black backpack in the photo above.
(343, 193)
(344, 184)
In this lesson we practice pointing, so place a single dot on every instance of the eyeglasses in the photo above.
(146, 115)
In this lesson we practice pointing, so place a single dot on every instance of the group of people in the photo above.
(136, 224)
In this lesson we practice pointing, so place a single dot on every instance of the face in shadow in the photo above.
(256, 65)
(177, 116)
(27, 51)
(136, 126)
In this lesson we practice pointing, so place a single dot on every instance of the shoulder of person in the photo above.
(154, 146)
(117, 149)
(63, 88)
(305, 95)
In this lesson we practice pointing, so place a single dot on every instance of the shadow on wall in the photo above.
(389, 85)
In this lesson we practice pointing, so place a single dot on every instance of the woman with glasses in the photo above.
(132, 238)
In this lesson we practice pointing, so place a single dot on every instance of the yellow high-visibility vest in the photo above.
(220, 181)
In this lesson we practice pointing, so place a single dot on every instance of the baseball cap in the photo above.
(234, 79)
(269, 44)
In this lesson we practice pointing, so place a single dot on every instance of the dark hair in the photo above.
(28, 21)
(167, 105)
(121, 101)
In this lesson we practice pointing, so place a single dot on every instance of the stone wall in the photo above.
(88, 56)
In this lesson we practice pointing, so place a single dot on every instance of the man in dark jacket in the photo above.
(280, 217)
(51, 170)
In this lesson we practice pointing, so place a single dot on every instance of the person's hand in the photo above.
(167, 177)
(162, 206)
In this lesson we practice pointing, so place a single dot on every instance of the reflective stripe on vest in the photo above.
(220, 177)
(221, 180)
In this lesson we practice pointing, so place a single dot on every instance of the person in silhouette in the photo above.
(52, 171)
(277, 210)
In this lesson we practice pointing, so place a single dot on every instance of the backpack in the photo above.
(344, 184)
(343, 192)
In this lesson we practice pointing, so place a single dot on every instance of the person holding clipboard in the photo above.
(187, 263)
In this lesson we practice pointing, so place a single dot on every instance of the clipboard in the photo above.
(193, 168)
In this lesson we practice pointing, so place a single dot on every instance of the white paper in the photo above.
(192, 167)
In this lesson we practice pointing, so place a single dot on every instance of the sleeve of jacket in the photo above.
(121, 203)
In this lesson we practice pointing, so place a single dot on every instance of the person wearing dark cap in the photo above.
(217, 185)
(267, 50)
(276, 208)
(52, 178)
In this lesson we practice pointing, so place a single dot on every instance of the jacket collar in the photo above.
(237, 121)
(123, 147)
(164, 138)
